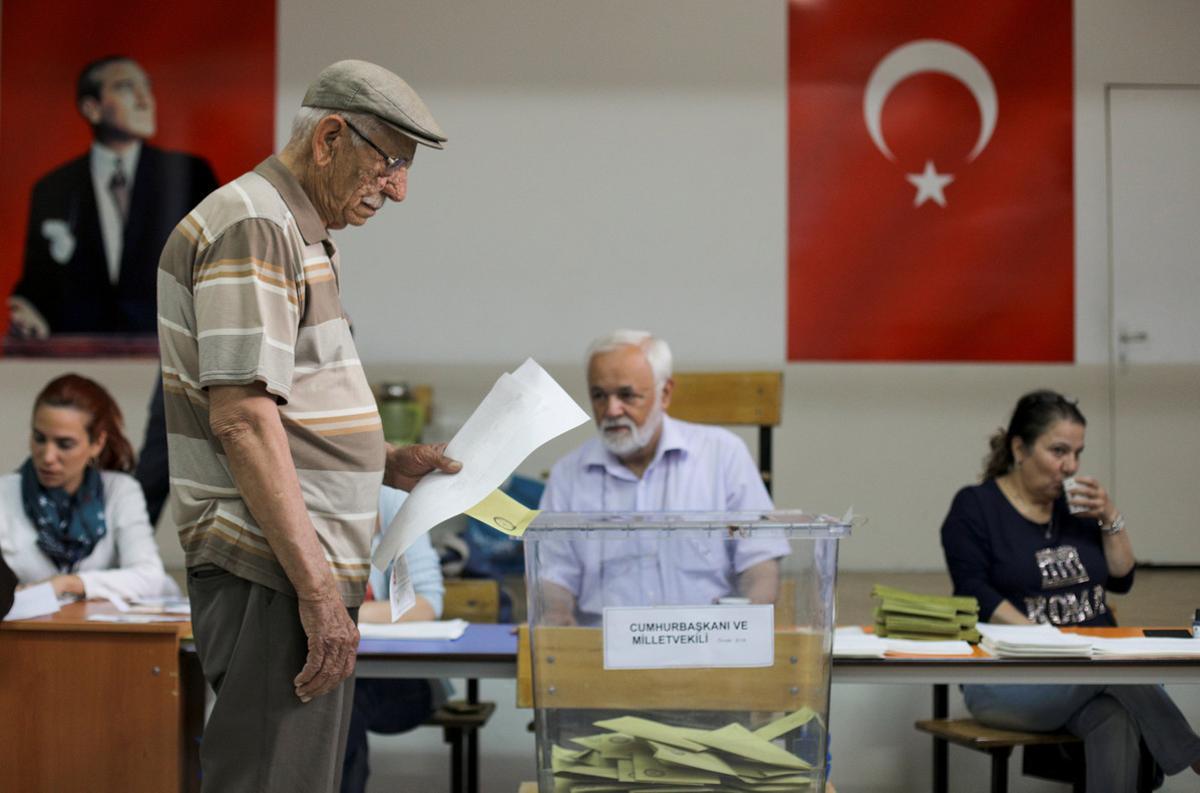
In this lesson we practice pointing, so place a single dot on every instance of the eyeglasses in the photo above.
(625, 394)
(392, 164)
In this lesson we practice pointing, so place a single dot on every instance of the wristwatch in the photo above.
(1116, 527)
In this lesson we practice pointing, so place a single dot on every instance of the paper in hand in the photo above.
(401, 595)
(523, 410)
(503, 513)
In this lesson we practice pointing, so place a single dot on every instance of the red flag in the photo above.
(930, 181)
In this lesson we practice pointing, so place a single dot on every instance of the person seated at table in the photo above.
(393, 705)
(8, 587)
(1031, 553)
(642, 460)
(72, 515)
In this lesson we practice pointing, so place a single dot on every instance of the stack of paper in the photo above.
(636, 754)
(1033, 641)
(1145, 648)
(445, 630)
(907, 615)
(851, 642)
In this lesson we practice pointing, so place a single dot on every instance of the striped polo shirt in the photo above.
(248, 292)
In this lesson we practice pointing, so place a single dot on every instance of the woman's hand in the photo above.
(68, 585)
(1093, 497)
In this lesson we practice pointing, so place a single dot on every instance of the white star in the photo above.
(929, 185)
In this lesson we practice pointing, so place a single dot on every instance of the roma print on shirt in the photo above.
(1061, 567)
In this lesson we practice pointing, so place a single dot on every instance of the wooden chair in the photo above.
(994, 742)
(475, 600)
(732, 398)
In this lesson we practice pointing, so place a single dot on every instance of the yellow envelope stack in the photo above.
(908, 615)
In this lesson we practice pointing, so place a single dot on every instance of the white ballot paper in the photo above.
(33, 601)
(521, 412)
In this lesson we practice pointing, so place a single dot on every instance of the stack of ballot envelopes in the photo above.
(907, 615)
(643, 756)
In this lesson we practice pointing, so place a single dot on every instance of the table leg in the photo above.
(941, 709)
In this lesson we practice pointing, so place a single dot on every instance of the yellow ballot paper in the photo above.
(783, 726)
(647, 769)
(703, 761)
(611, 745)
(504, 513)
(653, 731)
(737, 740)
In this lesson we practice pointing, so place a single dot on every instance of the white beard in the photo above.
(637, 438)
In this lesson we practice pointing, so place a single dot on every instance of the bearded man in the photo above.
(645, 461)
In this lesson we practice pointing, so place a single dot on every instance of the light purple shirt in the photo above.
(695, 468)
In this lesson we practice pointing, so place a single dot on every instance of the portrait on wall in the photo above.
(117, 120)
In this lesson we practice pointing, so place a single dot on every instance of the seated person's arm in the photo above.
(967, 547)
(381, 611)
(558, 605)
(141, 573)
(760, 582)
(1007, 614)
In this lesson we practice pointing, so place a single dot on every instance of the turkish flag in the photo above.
(930, 211)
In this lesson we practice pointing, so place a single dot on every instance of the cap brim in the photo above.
(424, 140)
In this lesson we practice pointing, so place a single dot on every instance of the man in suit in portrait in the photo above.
(98, 223)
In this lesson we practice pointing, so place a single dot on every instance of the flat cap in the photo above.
(362, 87)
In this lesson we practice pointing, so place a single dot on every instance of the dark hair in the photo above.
(89, 397)
(1034, 414)
(88, 84)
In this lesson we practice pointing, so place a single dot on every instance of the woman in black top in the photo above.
(1029, 555)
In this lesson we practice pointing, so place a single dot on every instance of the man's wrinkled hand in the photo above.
(407, 464)
(332, 646)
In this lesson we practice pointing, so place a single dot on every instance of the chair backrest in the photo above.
(732, 398)
(471, 599)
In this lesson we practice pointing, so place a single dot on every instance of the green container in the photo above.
(403, 417)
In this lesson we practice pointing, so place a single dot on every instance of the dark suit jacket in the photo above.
(75, 296)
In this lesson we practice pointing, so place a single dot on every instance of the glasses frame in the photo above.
(392, 164)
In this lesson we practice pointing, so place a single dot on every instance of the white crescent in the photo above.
(930, 55)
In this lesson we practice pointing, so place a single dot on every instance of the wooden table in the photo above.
(98, 706)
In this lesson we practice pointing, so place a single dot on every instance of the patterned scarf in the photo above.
(68, 526)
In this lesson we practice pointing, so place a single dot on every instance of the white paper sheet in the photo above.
(1140, 647)
(1032, 641)
(521, 412)
(441, 629)
(34, 601)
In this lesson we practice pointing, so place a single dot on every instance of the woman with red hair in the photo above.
(72, 515)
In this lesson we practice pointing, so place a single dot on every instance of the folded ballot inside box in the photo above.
(681, 650)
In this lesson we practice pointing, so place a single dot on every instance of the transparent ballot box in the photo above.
(681, 651)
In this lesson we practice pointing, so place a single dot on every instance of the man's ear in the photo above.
(89, 108)
(667, 388)
(324, 139)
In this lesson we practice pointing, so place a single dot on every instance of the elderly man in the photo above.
(97, 224)
(645, 461)
(276, 447)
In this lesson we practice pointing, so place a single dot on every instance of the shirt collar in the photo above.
(307, 220)
(104, 160)
(672, 439)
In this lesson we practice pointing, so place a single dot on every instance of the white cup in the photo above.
(1070, 484)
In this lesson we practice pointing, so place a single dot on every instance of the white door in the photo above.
(1154, 212)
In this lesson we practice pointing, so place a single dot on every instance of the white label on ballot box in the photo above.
(664, 637)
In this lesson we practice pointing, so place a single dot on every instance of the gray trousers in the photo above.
(260, 738)
(1109, 719)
